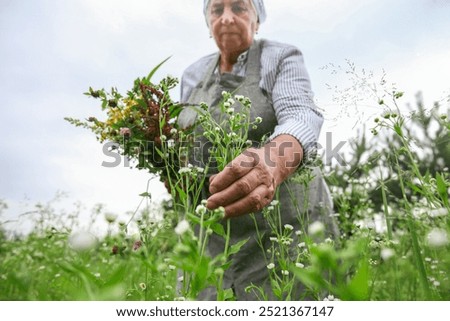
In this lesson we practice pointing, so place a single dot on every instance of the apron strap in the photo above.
(253, 64)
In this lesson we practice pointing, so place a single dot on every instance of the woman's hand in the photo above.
(248, 183)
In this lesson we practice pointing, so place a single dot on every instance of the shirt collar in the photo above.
(239, 66)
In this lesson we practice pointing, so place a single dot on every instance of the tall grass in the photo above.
(391, 201)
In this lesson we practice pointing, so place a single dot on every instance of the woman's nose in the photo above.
(227, 16)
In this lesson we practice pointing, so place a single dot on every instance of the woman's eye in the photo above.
(217, 11)
(238, 9)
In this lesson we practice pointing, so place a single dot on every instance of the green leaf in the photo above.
(146, 194)
(193, 218)
(358, 287)
(236, 247)
(118, 276)
(276, 288)
(414, 187)
(442, 188)
(398, 129)
(228, 295)
(311, 278)
(152, 72)
(181, 192)
(218, 229)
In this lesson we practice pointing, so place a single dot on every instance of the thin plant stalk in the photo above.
(414, 238)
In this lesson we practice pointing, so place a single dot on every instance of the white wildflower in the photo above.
(200, 209)
(184, 170)
(437, 237)
(220, 211)
(386, 254)
(285, 272)
(299, 265)
(82, 241)
(163, 138)
(270, 266)
(439, 212)
(258, 120)
(173, 131)
(331, 298)
(275, 202)
(328, 240)
(301, 245)
(110, 217)
(273, 239)
(288, 227)
(316, 228)
(170, 143)
(182, 227)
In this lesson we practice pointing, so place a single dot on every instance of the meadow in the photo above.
(391, 204)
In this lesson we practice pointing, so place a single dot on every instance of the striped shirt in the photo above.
(285, 81)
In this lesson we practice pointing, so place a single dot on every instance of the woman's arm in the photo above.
(249, 182)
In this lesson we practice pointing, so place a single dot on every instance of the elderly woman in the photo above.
(274, 77)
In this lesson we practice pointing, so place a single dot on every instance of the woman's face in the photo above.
(232, 23)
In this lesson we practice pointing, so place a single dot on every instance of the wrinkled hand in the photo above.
(246, 185)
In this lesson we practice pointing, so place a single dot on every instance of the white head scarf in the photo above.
(259, 6)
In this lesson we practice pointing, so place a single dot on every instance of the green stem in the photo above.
(414, 238)
(389, 231)
(220, 290)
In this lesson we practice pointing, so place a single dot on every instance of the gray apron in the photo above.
(249, 265)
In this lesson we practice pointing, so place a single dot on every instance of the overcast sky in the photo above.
(52, 51)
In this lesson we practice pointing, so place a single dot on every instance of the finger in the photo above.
(240, 188)
(211, 178)
(239, 167)
(252, 203)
